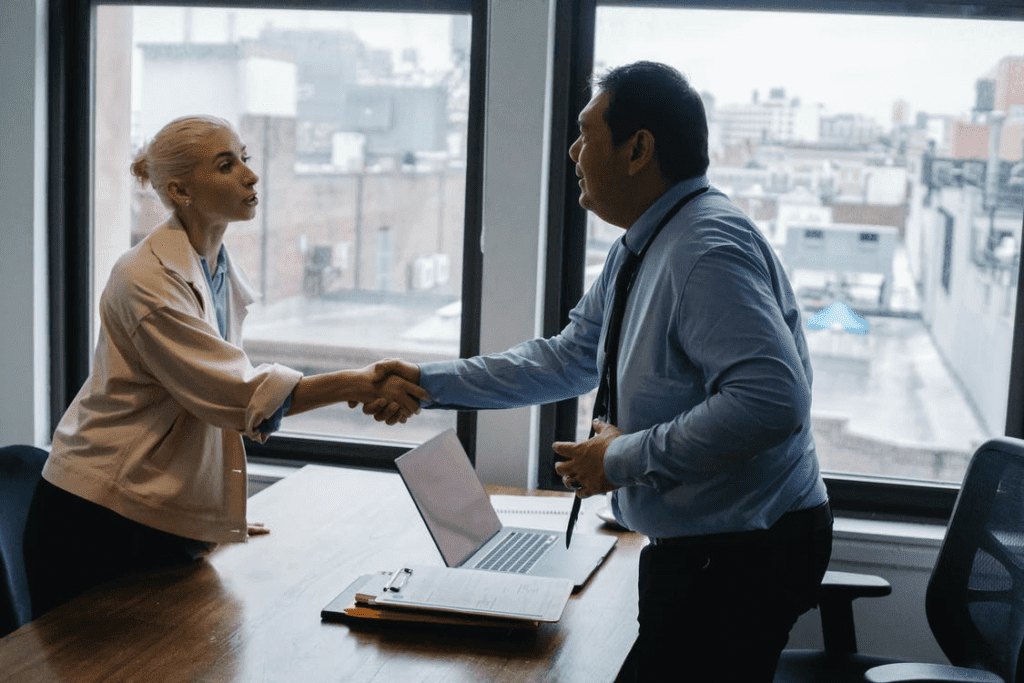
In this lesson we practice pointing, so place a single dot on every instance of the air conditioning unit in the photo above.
(424, 273)
(442, 268)
(339, 256)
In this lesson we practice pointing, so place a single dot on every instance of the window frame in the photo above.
(575, 24)
(70, 119)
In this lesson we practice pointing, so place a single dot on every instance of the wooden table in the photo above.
(251, 612)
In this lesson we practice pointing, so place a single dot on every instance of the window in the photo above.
(362, 128)
(948, 224)
(833, 133)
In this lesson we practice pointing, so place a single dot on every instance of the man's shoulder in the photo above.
(719, 222)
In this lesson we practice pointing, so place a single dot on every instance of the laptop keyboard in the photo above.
(518, 552)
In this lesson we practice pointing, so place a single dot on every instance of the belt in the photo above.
(790, 524)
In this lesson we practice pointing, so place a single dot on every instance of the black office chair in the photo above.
(20, 470)
(975, 596)
(839, 661)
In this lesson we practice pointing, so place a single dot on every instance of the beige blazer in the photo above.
(155, 434)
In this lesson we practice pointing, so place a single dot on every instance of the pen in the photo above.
(573, 514)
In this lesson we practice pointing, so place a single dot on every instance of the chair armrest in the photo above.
(928, 673)
(849, 586)
(835, 603)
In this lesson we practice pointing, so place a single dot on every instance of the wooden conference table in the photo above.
(251, 612)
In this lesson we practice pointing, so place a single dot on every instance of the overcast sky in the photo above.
(428, 33)
(850, 63)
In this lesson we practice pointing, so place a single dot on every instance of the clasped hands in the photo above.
(395, 392)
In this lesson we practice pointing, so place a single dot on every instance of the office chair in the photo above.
(20, 470)
(975, 596)
(839, 662)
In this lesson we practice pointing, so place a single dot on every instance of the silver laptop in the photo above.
(466, 529)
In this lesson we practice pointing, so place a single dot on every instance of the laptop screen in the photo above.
(450, 497)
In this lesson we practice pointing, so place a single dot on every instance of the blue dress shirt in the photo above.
(218, 292)
(714, 376)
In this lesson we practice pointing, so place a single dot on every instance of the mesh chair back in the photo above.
(975, 597)
(20, 470)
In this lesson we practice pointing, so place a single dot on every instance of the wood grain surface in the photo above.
(251, 612)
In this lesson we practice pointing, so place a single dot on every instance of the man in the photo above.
(710, 453)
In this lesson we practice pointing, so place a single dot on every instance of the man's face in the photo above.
(601, 167)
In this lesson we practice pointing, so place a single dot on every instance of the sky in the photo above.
(428, 33)
(850, 63)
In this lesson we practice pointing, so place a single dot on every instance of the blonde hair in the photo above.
(169, 155)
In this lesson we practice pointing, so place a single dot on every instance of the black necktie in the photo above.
(606, 402)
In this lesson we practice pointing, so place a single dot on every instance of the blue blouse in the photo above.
(218, 291)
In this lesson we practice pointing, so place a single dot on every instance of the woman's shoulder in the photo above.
(141, 281)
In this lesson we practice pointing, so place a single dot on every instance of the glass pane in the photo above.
(356, 123)
(885, 167)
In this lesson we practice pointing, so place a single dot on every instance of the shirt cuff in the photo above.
(273, 423)
(276, 385)
(434, 376)
(622, 467)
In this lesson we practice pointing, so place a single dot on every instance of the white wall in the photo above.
(515, 203)
(269, 86)
(24, 394)
(208, 79)
(978, 310)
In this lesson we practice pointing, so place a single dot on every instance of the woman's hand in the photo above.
(386, 385)
(397, 393)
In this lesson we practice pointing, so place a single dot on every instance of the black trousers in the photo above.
(720, 607)
(72, 544)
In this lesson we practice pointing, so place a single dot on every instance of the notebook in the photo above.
(466, 529)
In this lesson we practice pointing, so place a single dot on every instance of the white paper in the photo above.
(472, 591)
(548, 513)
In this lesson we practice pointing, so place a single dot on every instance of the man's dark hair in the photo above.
(659, 98)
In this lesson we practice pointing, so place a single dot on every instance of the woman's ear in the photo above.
(178, 193)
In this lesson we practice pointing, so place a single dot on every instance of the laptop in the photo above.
(467, 531)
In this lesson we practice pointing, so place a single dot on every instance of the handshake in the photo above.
(393, 393)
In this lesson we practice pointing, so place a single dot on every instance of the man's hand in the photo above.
(398, 393)
(583, 467)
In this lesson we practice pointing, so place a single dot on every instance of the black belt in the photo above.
(790, 524)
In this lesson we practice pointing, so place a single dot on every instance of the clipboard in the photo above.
(453, 596)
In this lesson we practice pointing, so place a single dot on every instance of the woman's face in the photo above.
(221, 186)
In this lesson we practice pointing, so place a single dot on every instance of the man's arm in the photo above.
(533, 372)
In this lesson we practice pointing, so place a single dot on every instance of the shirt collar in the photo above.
(218, 270)
(170, 244)
(637, 234)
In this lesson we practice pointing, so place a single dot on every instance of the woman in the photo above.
(147, 467)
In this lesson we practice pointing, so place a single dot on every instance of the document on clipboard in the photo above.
(453, 595)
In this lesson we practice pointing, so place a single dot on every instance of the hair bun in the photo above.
(140, 167)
